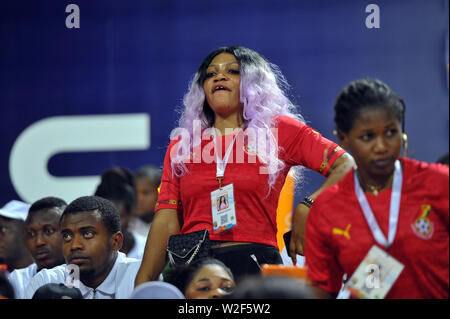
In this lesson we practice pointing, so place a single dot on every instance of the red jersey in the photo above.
(255, 205)
(338, 236)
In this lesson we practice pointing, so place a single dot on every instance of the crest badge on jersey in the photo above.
(422, 226)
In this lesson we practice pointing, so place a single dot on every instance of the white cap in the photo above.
(157, 290)
(15, 209)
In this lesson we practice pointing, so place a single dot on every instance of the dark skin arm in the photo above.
(340, 167)
(317, 292)
(322, 293)
(165, 224)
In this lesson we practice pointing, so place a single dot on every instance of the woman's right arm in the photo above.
(165, 224)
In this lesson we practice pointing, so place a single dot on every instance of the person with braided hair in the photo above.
(386, 223)
(118, 185)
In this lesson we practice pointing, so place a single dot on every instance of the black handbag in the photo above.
(182, 249)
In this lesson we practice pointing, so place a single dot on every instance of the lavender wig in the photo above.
(262, 92)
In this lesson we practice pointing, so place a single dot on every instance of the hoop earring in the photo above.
(405, 144)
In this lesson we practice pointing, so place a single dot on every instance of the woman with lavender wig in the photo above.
(238, 135)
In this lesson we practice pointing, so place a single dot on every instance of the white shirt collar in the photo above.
(107, 289)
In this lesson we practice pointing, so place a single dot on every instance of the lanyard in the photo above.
(393, 210)
(221, 164)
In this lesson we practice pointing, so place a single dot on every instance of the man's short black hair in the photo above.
(47, 202)
(109, 212)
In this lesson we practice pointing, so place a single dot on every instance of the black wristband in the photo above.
(307, 202)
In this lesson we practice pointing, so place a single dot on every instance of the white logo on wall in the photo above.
(43, 139)
(373, 19)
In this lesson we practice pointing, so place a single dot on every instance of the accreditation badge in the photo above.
(375, 276)
(223, 209)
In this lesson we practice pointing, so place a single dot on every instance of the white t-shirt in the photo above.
(137, 225)
(20, 278)
(139, 246)
(119, 283)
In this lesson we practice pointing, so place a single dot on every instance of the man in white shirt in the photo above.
(13, 252)
(42, 239)
(90, 229)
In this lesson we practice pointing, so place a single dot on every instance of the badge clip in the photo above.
(219, 179)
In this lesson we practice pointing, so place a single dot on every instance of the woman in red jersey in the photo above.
(238, 136)
(385, 225)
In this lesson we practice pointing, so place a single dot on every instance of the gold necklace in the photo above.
(374, 189)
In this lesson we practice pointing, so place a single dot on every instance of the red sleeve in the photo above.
(320, 258)
(437, 185)
(301, 145)
(168, 190)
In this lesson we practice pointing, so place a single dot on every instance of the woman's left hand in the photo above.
(340, 167)
(297, 242)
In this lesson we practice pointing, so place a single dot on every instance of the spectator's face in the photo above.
(147, 195)
(374, 142)
(88, 244)
(11, 239)
(221, 85)
(211, 281)
(43, 239)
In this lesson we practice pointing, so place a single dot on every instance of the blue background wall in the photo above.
(138, 56)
